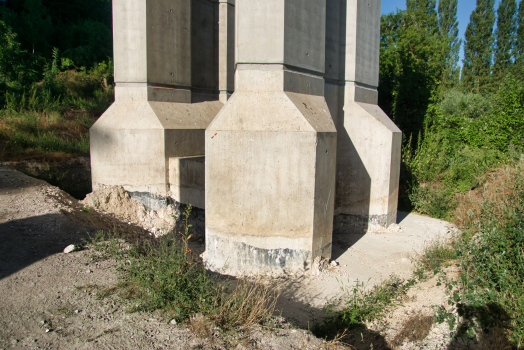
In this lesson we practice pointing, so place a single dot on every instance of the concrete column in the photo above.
(226, 49)
(271, 151)
(151, 140)
(369, 143)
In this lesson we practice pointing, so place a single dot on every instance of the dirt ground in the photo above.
(51, 300)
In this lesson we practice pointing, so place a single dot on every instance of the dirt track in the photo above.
(50, 299)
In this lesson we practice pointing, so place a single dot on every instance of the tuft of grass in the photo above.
(250, 303)
(437, 254)
(361, 305)
(161, 274)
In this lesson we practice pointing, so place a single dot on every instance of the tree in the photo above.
(478, 49)
(505, 37)
(422, 14)
(448, 24)
(17, 66)
(411, 64)
(518, 53)
(36, 25)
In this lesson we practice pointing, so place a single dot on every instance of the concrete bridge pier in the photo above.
(369, 143)
(151, 140)
(271, 151)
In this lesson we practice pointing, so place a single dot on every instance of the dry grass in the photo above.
(200, 326)
(250, 303)
(415, 329)
(498, 193)
(31, 134)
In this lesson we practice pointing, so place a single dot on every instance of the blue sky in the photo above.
(465, 7)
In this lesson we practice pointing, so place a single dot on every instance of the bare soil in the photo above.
(53, 300)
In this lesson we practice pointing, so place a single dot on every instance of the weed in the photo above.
(488, 294)
(361, 305)
(105, 245)
(437, 254)
(250, 303)
(162, 275)
(415, 329)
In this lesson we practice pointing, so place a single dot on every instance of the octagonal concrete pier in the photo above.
(271, 151)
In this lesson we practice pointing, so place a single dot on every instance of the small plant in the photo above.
(437, 254)
(250, 303)
(162, 275)
(361, 305)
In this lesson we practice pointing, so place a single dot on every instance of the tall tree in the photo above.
(448, 24)
(411, 64)
(36, 25)
(422, 14)
(505, 37)
(478, 49)
(518, 54)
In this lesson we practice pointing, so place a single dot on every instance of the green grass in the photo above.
(52, 118)
(40, 134)
(360, 305)
(161, 274)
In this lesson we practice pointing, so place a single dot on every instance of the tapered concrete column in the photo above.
(226, 49)
(369, 143)
(150, 141)
(271, 151)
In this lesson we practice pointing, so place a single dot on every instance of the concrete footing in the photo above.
(271, 151)
(369, 143)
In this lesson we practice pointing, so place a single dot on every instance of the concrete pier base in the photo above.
(137, 145)
(369, 143)
(269, 182)
(271, 151)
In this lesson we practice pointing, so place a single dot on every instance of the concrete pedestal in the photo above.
(271, 151)
(369, 143)
(167, 92)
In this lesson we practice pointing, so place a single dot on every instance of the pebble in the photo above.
(173, 321)
(69, 249)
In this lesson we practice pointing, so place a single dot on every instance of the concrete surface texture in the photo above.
(171, 66)
(369, 143)
(271, 151)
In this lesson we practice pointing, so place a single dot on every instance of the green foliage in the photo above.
(489, 292)
(410, 67)
(465, 136)
(88, 43)
(505, 37)
(448, 24)
(36, 27)
(519, 44)
(422, 14)
(80, 29)
(162, 275)
(17, 66)
(359, 305)
(478, 51)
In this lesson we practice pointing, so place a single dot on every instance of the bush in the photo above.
(488, 294)
(466, 135)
